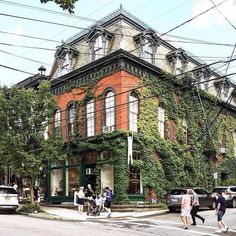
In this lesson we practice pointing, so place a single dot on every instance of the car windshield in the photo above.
(219, 190)
(177, 192)
(4, 190)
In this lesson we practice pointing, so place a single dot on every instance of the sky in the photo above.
(210, 37)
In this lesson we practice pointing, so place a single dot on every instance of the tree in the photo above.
(24, 118)
(64, 4)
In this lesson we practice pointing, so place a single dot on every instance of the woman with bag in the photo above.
(79, 199)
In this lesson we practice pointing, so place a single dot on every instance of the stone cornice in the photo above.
(114, 62)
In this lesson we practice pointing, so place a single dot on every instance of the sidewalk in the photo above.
(56, 213)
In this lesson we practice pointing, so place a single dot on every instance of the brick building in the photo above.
(118, 79)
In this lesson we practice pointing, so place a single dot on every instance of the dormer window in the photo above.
(222, 86)
(98, 48)
(65, 57)
(99, 42)
(147, 43)
(202, 76)
(178, 60)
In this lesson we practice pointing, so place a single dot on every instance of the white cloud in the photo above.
(213, 17)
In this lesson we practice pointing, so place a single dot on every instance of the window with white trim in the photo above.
(161, 121)
(98, 48)
(109, 111)
(133, 112)
(71, 120)
(90, 118)
(147, 51)
(234, 138)
(57, 120)
(185, 130)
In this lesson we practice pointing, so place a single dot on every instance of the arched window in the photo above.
(90, 118)
(70, 120)
(109, 111)
(161, 120)
(57, 120)
(133, 112)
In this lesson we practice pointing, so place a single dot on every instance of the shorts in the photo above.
(185, 213)
(107, 204)
(220, 215)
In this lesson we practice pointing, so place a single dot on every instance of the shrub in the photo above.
(31, 208)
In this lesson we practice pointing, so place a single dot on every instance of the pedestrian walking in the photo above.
(220, 211)
(185, 209)
(36, 195)
(195, 208)
(89, 195)
(80, 200)
(108, 200)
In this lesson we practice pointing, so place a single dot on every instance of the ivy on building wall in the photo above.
(165, 164)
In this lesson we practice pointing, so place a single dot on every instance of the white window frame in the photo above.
(57, 119)
(90, 118)
(179, 66)
(147, 51)
(110, 110)
(185, 129)
(98, 47)
(234, 138)
(161, 121)
(71, 118)
(133, 112)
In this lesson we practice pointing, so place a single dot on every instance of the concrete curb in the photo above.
(51, 216)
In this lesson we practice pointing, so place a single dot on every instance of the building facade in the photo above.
(135, 111)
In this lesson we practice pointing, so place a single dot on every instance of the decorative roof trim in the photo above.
(118, 13)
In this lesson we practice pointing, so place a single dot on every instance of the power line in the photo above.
(47, 10)
(25, 58)
(180, 25)
(24, 46)
(42, 21)
(31, 37)
(11, 68)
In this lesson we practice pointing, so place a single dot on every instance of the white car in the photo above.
(8, 199)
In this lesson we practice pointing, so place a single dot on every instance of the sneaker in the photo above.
(193, 224)
(109, 215)
(218, 231)
(185, 227)
(226, 229)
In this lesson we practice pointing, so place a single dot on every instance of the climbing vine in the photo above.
(171, 162)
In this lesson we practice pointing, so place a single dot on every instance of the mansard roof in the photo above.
(118, 14)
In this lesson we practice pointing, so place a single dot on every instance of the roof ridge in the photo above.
(110, 16)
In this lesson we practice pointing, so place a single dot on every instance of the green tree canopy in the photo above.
(24, 118)
(64, 4)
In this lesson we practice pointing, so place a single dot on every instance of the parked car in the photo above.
(8, 199)
(229, 193)
(173, 200)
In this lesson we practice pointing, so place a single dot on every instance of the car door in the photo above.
(204, 197)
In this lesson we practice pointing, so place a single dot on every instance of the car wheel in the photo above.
(171, 209)
(234, 203)
(213, 205)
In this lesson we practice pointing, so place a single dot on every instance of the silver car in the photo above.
(228, 192)
(8, 199)
(173, 200)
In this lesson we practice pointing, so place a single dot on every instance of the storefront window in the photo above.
(56, 182)
(57, 163)
(72, 180)
(72, 160)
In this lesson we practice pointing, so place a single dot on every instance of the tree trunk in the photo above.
(32, 194)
